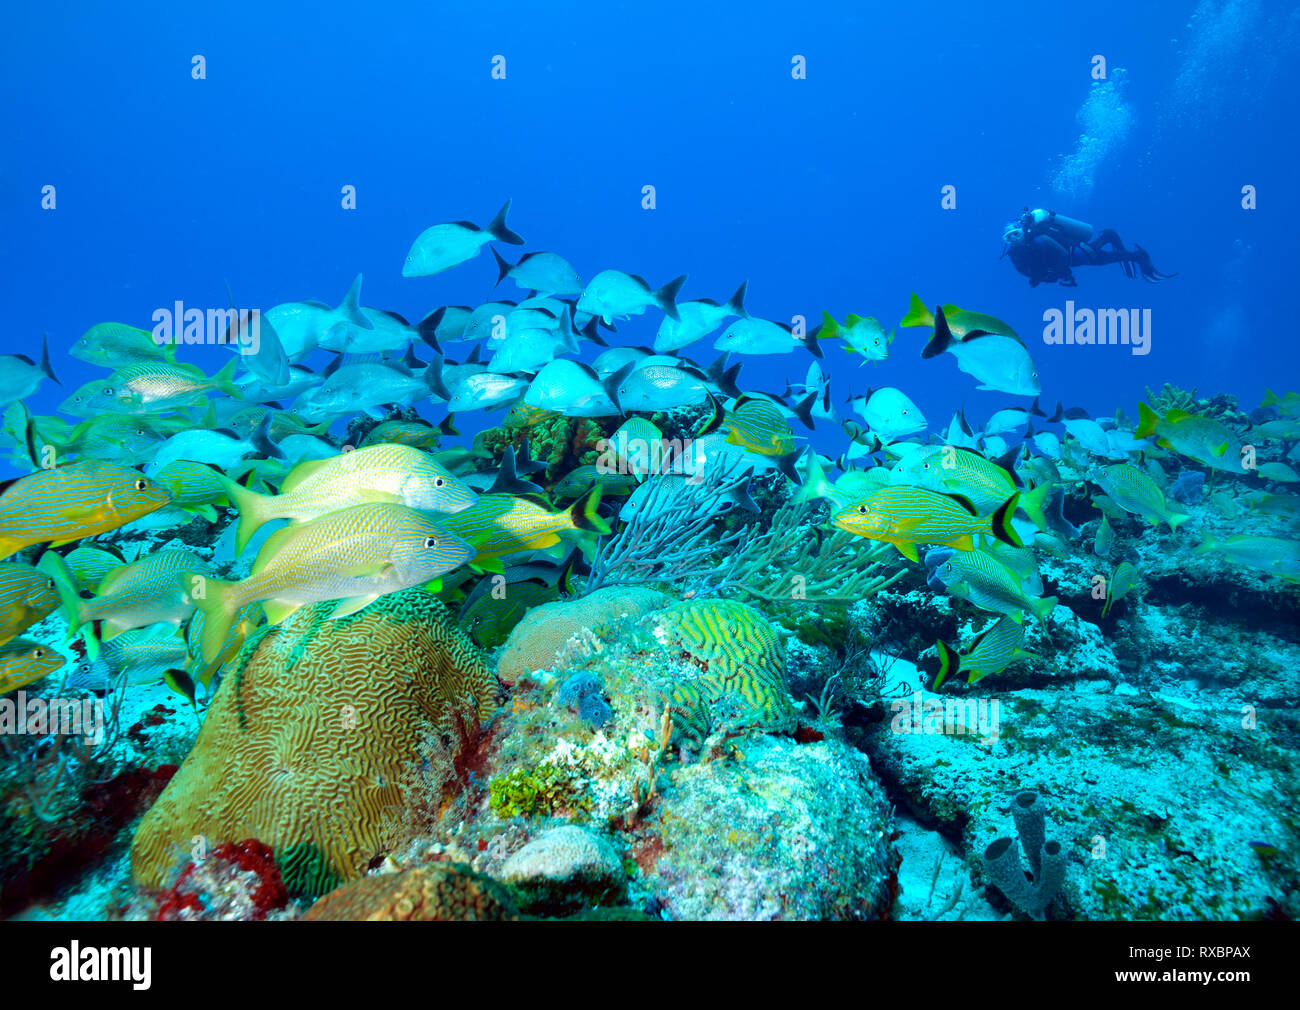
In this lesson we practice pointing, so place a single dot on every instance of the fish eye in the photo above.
(140, 485)
(862, 510)
(438, 482)
(108, 392)
(430, 541)
(904, 411)
(38, 654)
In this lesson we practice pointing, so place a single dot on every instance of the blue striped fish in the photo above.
(993, 650)
(501, 524)
(137, 595)
(907, 516)
(66, 503)
(89, 565)
(1122, 581)
(26, 596)
(757, 424)
(23, 662)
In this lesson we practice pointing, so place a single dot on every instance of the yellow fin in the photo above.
(352, 604)
(277, 610)
(300, 473)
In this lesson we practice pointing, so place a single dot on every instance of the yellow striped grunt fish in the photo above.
(66, 503)
(1203, 439)
(400, 474)
(581, 479)
(130, 596)
(1134, 491)
(150, 389)
(89, 565)
(113, 345)
(982, 580)
(24, 662)
(195, 487)
(1122, 581)
(26, 596)
(354, 555)
(907, 516)
(985, 482)
(419, 434)
(138, 656)
(501, 524)
(757, 424)
(993, 650)
(1105, 539)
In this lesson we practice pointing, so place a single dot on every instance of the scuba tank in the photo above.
(1039, 222)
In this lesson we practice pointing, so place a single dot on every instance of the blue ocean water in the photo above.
(823, 192)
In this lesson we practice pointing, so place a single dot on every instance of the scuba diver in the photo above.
(1045, 245)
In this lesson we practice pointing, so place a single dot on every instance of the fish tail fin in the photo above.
(612, 383)
(1001, 522)
(218, 602)
(1207, 545)
(815, 484)
(786, 464)
(224, 380)
(255, 510)
(1043, 607)
(46, 367)
(1147, 420)
(736, 303)
(1176, 519)
(1032, 502)
(433, 379)
(743, 498)
(727, 381)
(262, 439)
(830, 328)
(498, 229)
(503, 268)
(583, 515)
(666, 296)
(949, 661)
(942, 339)
(803, 410)
(65, 587)
(809, 341)
(917, 314)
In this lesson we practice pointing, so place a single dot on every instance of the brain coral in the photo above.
(741, 682)
(441, 892)
(306, 742)
(536, 641)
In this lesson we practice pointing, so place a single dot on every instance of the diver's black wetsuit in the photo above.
(1045, 246)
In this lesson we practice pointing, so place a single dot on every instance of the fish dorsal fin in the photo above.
(965, 503)
(1175, 415)
(852, 320)
(300, 473)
